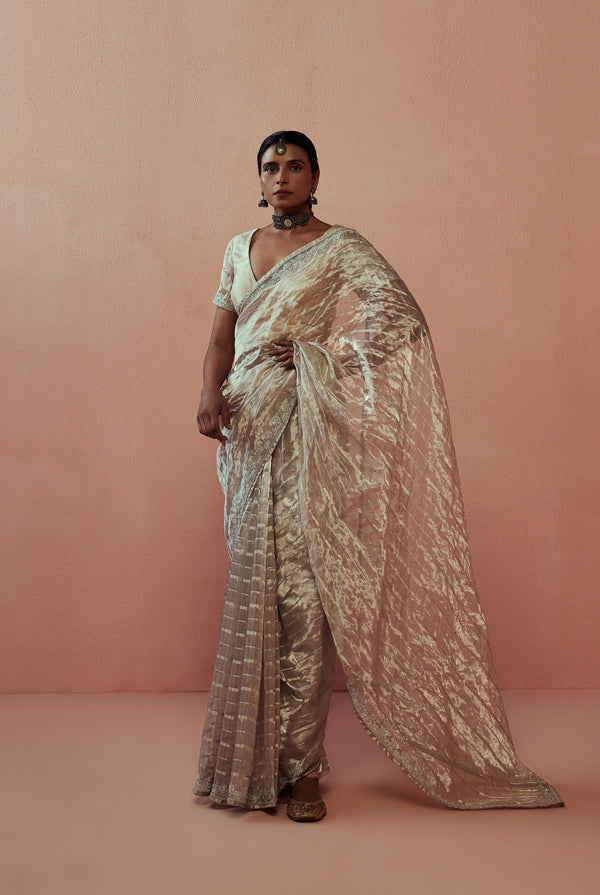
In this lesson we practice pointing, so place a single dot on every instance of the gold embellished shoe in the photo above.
(306, 812)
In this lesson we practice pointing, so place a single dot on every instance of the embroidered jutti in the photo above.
(342, 494)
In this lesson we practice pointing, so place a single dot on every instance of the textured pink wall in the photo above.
(460, 137)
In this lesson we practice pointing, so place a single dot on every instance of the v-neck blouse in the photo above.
(237, 276)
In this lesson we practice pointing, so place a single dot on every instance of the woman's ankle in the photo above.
(306, 789)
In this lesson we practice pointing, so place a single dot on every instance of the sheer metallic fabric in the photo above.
(381, 514)
(306, 649)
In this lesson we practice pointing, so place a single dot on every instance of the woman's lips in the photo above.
(283, 193)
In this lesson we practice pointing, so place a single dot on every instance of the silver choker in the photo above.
(291, 221)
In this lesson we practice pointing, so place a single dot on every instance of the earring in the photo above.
(263, 202)
(312, 199)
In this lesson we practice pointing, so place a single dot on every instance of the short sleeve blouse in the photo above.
(237, 278)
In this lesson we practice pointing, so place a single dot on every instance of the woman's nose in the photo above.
(282, 177)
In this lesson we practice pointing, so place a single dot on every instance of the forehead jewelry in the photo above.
(281, 148)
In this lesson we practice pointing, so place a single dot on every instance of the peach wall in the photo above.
(460, 137)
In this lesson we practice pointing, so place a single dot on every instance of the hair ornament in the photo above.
(281, 148)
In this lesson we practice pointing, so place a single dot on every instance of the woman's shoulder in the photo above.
(347, 232)
(349, 238)
(241, 238)
(236, 250)
(353, 245)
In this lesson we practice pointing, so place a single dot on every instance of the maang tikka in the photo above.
(281, 148)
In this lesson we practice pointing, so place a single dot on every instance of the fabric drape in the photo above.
(382, 515)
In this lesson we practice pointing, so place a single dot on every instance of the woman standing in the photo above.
(344, 523)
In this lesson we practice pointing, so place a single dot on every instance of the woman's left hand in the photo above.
(283, 354)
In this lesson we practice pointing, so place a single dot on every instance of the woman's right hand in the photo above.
(213, 413)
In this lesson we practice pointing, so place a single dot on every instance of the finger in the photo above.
(217, 435)
(225, 416)
(208, 428)
(215, 428)
(207, 431)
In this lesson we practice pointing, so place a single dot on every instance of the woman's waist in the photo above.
(255, 376)
(257, 355)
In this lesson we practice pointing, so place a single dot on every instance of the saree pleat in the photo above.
(382, 517)
(269, 699)
(240, 743)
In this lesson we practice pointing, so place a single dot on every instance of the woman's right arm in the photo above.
(213, 411)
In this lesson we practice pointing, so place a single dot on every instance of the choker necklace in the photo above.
(291, 221)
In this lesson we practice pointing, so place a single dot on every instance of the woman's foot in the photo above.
(305, 804)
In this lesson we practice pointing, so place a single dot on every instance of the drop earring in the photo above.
(263, 202)
(312, 199)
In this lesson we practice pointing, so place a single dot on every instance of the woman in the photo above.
(344, 523)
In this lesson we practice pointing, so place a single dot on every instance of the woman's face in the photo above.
(287, 180)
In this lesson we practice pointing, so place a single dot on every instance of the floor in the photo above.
(96, 800)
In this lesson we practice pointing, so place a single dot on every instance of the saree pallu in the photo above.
(382, 515)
